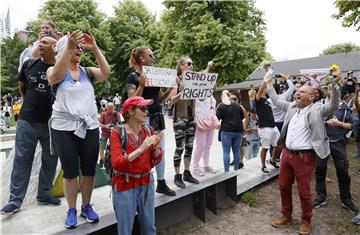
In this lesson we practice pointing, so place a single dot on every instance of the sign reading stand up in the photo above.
(160, 77)
(198, 85)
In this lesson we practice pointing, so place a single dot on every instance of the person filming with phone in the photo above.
(133, 182)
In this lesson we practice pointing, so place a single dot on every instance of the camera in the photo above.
(49, 33)
(278, 76)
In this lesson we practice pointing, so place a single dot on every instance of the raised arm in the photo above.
(333, 105)
(57, 73)
(210, 65)
(276, 99)
(103, 72)
(290, 90)
(262, 90)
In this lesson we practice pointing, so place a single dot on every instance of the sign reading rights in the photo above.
(160, 77)
(198, 85)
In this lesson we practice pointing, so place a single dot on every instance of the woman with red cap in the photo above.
(133, 183)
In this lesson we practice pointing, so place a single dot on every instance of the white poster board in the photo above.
(198, 85)
(160, 77)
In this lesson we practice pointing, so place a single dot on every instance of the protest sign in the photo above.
(198, 85)
(160, 77)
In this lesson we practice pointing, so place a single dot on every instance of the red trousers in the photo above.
(300, 167)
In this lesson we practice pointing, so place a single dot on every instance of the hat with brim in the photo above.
(136, 101)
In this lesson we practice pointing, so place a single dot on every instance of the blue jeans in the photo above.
(231, 140)
(27, 136)
(255, 146)
(138, 200)
(160, 168)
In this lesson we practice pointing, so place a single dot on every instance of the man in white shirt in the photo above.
(302, 138)
(117, 102)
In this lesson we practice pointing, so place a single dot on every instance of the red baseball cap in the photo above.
(135, 101)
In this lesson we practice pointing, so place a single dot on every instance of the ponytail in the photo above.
(136, 53)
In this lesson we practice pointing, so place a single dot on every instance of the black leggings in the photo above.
(75, 153)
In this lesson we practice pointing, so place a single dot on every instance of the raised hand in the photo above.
(74, 39)
(210, 64)
(89, 41)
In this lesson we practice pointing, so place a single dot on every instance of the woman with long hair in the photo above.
(135, 86)
(184, 125)
(231, 128)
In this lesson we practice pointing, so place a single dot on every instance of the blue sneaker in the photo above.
(71, 220)
(50, 200)
(10, 209)
(88, 213)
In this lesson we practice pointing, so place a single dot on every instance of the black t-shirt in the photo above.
(264, 112)
(231, 117)
(38, 100)
(148, 92)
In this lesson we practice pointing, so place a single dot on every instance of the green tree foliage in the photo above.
(11, 49)
(231, 33)
(349, 12)
(78, 14)
(132, 26)
(340, 48)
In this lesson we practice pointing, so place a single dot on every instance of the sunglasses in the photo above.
(143, 108)
(189, 63)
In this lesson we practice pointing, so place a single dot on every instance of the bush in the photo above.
(249, 198)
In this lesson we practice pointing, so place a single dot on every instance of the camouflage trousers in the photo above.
(184, 129)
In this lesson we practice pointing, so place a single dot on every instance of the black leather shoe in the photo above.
(189, 178)
(178, 181)
(164, 189)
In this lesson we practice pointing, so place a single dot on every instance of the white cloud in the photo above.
(299, 29)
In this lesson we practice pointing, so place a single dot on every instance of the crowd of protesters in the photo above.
(295, 120)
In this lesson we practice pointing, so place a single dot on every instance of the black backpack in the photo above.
(124, 139)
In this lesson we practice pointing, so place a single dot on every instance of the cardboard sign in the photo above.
(160, 77)
(198, 85)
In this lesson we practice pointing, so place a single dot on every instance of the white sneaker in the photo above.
(198, 172)
(209, 169)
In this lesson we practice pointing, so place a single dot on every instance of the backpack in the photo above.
(124, 139)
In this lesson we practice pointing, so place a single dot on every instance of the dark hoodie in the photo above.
(343, 114)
